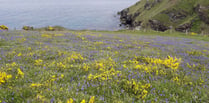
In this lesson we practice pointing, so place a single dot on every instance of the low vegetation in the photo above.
(99, 67)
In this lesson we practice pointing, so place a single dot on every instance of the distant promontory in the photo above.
(162, 15)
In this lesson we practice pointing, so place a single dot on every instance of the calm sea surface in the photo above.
(72, 14)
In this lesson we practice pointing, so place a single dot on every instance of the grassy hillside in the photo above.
(181, 15)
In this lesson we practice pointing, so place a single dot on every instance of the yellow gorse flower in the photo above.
(48, 82)
(176, 79)
(193, 33)
(50, 28)
(20, 54)
(92, 99)
(70, 100)
(20, 73)
(4, 77)
(46, 36)
(61, 65)
(85, 67)
(83, 101)
(59, 35)
(106, 75)
(36, 85)
(170, 62)
(75, 57)
(3, 27)
(38, 62)
(138, 89)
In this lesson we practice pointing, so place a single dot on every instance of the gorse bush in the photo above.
(3, 27)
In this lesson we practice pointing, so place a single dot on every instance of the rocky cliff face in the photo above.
(162, 15)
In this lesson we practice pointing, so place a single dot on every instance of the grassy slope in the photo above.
(157, 12)
(154, 33)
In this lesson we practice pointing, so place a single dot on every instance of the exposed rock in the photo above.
(136, 14)
(203, 13)
(174, 16)
(156, 25)
(184, 27)
(128, 20)
(125, 18)
(136, 23)
(148, 5)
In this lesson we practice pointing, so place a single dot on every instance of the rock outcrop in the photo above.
(184, 27)
(203, 13)
(158, 26)
(162, 15)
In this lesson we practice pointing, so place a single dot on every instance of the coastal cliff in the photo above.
(162, 15)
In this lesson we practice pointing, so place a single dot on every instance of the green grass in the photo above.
(63, 61)
(154, 33)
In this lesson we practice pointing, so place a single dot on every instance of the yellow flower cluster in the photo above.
(51, 35)
(100, 65)
(27, 28)
(56, 35)
(49, 28)
(61, 65)
(138, 89)
(177, 80)
(81, 37)
(70, 100)
(108, 74)
(47, 82)
(169, 62)
(38, 62)
(146, 68)
(85, 67)
(75, 57)
(36, 85)
(92, 100)
(143, 67)
(193, 33)
(46, 36)
(104, 64)
(109, 48)
(54, 78)
(61, 53)
(41, 98)
(3, 27)
(83, 101)
(4, 77)
(20, 54)
(9, 66)
(20, 73)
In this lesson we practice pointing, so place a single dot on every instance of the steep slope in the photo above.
(161, 15)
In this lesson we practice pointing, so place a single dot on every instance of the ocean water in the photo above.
(72, 14)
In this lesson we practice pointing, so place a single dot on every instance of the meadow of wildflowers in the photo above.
(86, 67)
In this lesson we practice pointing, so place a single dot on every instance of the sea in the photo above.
(71, 14)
